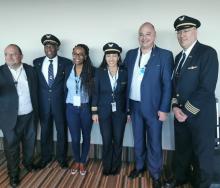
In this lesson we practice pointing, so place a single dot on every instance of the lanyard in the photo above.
(139, 61)
(77, 80)
(113, 80)
(16, 80)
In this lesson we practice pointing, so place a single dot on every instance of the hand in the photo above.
(128, 118)
(162, 115)
(180, 116)
(95, 118)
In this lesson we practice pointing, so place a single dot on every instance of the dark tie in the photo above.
(50, 74)
(180, 64)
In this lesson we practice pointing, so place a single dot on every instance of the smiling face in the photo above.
(79, 55)
(112, 59)
(146, 36)
(13, 56)
(51, 50)
(187, 37)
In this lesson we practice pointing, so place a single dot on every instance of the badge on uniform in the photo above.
(76, 100)
(141, 71)
(113, 106)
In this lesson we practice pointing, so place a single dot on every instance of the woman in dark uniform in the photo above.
(79, 84)
(109, 106)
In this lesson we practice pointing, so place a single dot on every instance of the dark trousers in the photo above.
(150, 152)
(24, 132)
(79, 121)
(47, 121)
(194, 150)
(112, 131)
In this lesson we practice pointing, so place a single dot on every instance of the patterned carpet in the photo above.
(54, 177)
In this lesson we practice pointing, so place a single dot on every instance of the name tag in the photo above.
(76, 100)
(113, 106)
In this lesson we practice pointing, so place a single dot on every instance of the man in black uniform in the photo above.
(193, 103)
(51, 73)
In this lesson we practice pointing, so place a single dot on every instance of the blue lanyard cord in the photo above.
(77, 86)
(77, 80)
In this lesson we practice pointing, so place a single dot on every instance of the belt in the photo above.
(82, 105)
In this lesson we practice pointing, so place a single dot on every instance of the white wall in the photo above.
(99, 21)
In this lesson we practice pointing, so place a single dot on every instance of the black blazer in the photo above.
(102, 95)
(195, 90)
(51, 97)
(9, 96)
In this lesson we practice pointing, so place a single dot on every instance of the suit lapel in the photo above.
(189, 59)
(59, 69)
(29, 77)
(106, 77)
(39, 69)
(135, 56)
(8, 75)
(119, 79)
(152, 60)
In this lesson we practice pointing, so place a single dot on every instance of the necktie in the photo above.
(180, 64)
(50, 74)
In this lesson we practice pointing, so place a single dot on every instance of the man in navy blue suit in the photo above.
(149, 96)
(51, 72)
(193, 103)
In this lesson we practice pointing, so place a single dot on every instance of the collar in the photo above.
(188, 50)
(18, 69)
(54, 59)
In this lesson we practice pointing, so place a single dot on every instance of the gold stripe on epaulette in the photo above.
(94, 108)
(191, 108)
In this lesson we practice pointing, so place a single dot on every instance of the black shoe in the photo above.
(135, 173)
(106, 172)
(156, 183)
(41, 164)
(115, 171)
(29, 167)
(63, 164)
(174, 184)
(14, 181)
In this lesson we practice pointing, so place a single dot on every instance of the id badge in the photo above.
(141, 71)
(76, 100)
(113, 106)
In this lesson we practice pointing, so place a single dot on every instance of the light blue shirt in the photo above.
(72, 83)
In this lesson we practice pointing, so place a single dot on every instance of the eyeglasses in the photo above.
(80, 55)
(184, 31)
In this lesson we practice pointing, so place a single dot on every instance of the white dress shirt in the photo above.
(45, 67)
(187, 52)
(138, 73)
(21, 83)
(113, 80)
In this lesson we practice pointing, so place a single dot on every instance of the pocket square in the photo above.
(192, 67)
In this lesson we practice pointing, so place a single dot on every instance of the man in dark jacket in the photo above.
(18, 112)
(194, 80)
(51, 72)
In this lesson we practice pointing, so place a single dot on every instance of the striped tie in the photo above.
(180, 64)
(50, 74)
